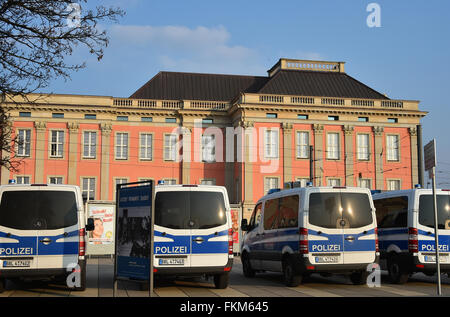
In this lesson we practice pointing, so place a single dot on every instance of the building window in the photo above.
(58, 115)
(90, 116)
(147, 119)
(334, 182)
(121, 146)
(88, 188)
(170, 181)
(57, 143)
(25, 114)
(55, 180)
(393, 184)
(22, 180)
(89, 144)
(271, 115)
(122, 118)
(392, 120)
(270, 183)
(365, 183)
(171, 120)
(393, 147)
(302, 116)
(333, 146)
(170, 147)
(363, 119)
(145, 146)
(210, 181)
(333, 118)
(118, 181)
(208, 148)
(303, 181)
(302, 144)
(271, 144)
(23, 142)
(207, 121)
(362, 143)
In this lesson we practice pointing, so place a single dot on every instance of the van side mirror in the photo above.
(90, 224)
(244, 225)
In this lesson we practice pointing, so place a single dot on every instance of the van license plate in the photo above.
(432, 258)
(327, 259)
(17, 263)
(174, 261)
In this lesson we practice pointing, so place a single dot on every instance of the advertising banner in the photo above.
(103, 216)
(133, 230)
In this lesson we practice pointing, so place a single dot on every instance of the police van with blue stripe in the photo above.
(301, 231)
(42, 233)
(407, 232)
(192, 232)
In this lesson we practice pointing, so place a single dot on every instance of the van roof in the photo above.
(30, 186)
(409, 191)
(284, 192)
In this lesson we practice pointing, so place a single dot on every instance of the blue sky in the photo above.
(405, 58)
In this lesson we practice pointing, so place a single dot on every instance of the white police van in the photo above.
(311, 229)
(193, 234)
(42, 233)
(406, 232)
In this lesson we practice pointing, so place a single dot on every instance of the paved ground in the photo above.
(100, 271)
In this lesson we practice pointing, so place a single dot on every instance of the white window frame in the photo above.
(271, 182)
(208, 148)
(23, 179)
(333, 146)
(302, 144)
(333, 182)
(303, 181)
(59, 180)
(393, 147)
(23, 143)
(170, 147)
(91, 187)
(271, 143)
(121, 145)
(146, 146)
(170, 181)
(363, 182)
(90, 145)
(208, 181)
(390, 184)
(363, 146)
(57, 145)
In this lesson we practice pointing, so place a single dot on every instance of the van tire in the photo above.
(246, 266)
(359, 278)
(290, 274)
(397, 274)
(221, 280)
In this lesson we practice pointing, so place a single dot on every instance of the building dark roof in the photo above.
(193, 86)
(215, 87)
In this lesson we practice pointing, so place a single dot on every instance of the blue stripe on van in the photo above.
(182, 244)
(337, 243)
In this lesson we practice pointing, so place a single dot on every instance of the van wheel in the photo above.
(359, 278)
(397, 274)
(246, 266)
(290, 275)
(221, 280)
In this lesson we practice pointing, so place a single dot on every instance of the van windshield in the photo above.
(189, 210)
(426, 211)
(38, 210)
(329, 209)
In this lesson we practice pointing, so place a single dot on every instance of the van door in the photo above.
(209, 222)
(359, 228)
(172, 242)
(325, 228)
(58, 229)
(426, 229)
(18, 235)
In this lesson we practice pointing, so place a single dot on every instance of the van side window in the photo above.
(256, 216)
(288, 212)
(392, 212)
(271, 214)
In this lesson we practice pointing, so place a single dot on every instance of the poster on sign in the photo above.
(103, 216)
